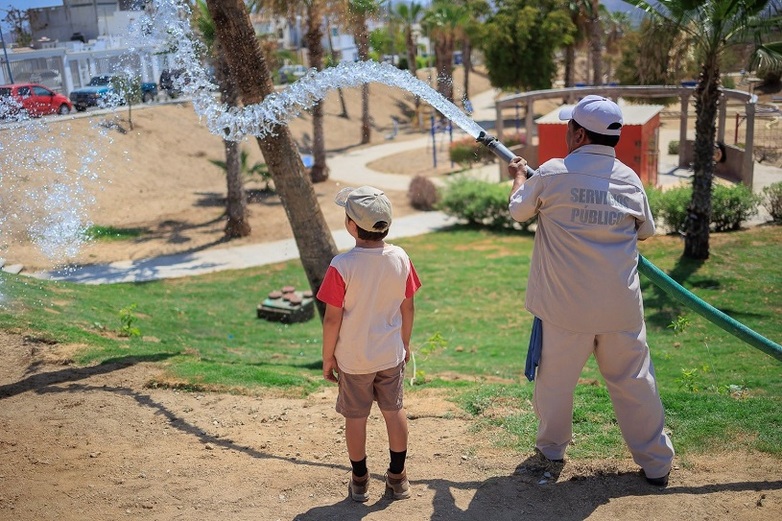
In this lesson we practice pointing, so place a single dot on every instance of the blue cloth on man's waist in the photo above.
(535, 347)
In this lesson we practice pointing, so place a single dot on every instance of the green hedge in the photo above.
(479, 202)
(730, 206)
(486, 204)
(772, 200)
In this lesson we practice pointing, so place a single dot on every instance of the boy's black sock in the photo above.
(359, 467)
(397, 461)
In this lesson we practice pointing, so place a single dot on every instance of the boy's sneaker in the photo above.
(358, 488)
(397, 485)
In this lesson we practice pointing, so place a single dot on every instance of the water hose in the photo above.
(666, 283)
(706, 310)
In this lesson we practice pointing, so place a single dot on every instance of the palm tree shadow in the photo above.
(39, 382)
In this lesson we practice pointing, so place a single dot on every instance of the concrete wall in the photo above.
(730, 169)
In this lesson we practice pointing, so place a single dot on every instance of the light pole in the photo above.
(5, 53)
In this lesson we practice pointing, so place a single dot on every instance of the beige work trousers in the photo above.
(624, 361)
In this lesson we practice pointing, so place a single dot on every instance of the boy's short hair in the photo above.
(368, 207)
(365, 235)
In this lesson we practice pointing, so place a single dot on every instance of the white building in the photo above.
(78, 40)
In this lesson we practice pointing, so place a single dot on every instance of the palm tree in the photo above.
(334, 58)
(359, 12)
(409, 16)
(313, 11)
(712, 26)
(577, 11)
(242, 52)
(444, 22)
(472, 27)
(595, 41)
(238, 224)
(616, 25)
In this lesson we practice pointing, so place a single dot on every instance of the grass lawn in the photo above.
(470, 336)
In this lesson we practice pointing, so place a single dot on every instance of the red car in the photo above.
(34, 99)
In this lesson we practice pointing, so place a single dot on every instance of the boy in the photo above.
(368, 292)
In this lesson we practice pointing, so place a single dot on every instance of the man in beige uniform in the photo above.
(583, 285)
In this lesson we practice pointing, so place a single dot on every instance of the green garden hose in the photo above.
(709, 312)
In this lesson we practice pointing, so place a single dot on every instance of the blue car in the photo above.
(100, 92)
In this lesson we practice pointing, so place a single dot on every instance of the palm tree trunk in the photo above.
(236, 202)
(238, 224)
(443, 50)
(366, 129)
(570, 60)
(248, 67)
(467, 64)
(362, 42)
(412, 66)
(319, 171)
(596, 44)
(344, 113)
(696, 240)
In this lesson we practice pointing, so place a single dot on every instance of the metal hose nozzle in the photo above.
(500, 150)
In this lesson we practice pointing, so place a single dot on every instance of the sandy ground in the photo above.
(100, 443)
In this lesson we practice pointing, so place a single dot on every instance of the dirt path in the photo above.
(96, 443)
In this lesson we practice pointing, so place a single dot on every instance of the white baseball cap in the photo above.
(596, 114)
(367, 206)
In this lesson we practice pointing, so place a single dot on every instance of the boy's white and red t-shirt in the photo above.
(369, 284)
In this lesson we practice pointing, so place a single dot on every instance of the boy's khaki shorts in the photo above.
(358, 391)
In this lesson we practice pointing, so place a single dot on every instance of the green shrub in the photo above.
(772, 200)
(673, 147)
(728, 82)
(466, 152)
(731, 206)
(672, 207)
(654, 195)
(478, 202)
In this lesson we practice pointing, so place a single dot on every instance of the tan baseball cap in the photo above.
(367, 206)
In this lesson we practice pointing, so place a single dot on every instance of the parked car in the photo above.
(100, 91)
(34, 99)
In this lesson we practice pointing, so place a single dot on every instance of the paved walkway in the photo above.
(351, 169)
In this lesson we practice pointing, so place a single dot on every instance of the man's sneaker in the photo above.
(397, 485)
(358, 488)
(657, 482)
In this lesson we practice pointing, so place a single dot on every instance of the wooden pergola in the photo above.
(684, 93)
